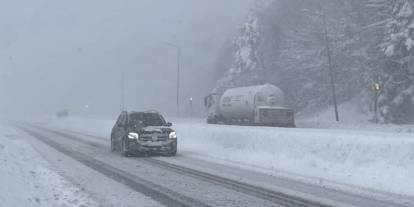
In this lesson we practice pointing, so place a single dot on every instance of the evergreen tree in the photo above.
(371, 41)
(397, 98)
(246, 69)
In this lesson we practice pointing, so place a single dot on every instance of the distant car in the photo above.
(62, 113)
(137, 133)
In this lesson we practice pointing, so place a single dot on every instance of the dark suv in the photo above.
(143, 132)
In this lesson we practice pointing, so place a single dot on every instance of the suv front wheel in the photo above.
(113, 148)
(124, 147)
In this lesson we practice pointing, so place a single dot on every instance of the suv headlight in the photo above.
(173, 135)
(133, 135)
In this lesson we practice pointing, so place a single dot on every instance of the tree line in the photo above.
(284, 42)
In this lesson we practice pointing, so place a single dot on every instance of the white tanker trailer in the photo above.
(253, 105)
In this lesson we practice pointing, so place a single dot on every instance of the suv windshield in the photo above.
(146, 119)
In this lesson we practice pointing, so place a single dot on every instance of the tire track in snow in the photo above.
(163, 195)
(255, 191)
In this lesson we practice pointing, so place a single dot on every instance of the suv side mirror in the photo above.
(169, 124)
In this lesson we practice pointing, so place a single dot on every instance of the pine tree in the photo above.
(293, 52)
(246, 69)
(371, 41)
(397, 99)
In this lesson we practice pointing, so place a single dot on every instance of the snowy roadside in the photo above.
(378, 160)
(367, 159)
(352, 117)
(28, 180)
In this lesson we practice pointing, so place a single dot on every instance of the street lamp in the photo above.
(191, 107)
(178, 76)
(122, 89)
(377, 88)
(328, 54)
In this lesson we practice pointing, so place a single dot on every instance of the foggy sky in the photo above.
(68, 54)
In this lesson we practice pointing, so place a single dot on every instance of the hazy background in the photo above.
(68, 54)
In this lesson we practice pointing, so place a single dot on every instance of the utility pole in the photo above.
(328, 54)
(178, 76)
(264, 72)
(331, 72)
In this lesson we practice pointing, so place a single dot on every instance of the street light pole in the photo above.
(191, 107)
(377, 89)
(178, 76)
(331, 72)
(122, 89)
(178, 81)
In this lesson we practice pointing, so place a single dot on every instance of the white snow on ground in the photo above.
(381, 159)
(26, 179)
(351, 116)
(378, 160)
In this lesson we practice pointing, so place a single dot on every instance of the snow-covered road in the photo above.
(215, 166)
(380, 159)
(165, 187)
(26, 179)
(185, 180)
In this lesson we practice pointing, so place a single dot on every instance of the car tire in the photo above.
(172, 154)
(124, 148)
(113, 147)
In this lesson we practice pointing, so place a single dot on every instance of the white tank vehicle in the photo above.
(253, 105)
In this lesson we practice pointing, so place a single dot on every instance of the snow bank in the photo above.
(27, 180)
(378, 160)
(351, 116)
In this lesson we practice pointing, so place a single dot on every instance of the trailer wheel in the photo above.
(211, 120)
(172, 154)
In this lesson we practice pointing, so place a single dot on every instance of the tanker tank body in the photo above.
(253, 105)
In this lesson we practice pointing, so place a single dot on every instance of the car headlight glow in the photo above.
(173, 135)
(133, 135)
